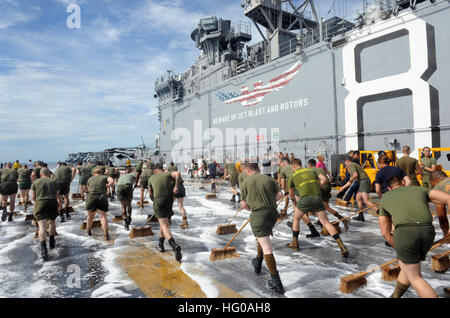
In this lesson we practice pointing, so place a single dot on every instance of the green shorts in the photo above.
(413, 241)
(234, 180)
(83, 181)
(325, 193)
(144, 182)
(8, 188)
(125, 192)
(163, 207)
(364, 186)
(64, 187)
(46, 210)
(25, 185)
(263, 221)
(96, 202)
(181, 192)
(426, 182)
(310, 203)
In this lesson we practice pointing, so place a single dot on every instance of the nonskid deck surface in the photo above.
(90, 267)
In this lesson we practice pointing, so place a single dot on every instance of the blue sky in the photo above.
(68, 90)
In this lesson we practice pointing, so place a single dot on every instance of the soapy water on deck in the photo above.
(314, 271)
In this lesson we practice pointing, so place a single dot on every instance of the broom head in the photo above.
(220, 254)
(325, 232)
(141, 231)
(76, 196)
(95, 224)
(201, 187)
(341, 202)
(18, 195)
(389, 273)
(141, 204)
(440, 262)
(351, 282)
(29, 217)
(226, 229)
(117, 220)
(211, 196)
(28, 203)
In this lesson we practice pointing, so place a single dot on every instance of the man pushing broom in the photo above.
(260, 194)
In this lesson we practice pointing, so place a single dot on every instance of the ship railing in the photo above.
(242, 27)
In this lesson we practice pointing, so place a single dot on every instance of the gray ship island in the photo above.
(378, 81)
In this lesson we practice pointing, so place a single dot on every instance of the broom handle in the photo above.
(239, 210)
(220, 182)
(284, 197)
(355, 179)
(436, 245)
(351, 215)
(245, 224)
(287, 216)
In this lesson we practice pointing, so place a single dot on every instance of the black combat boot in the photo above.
(68, 214)
(233, 198)
(52, 242)
(275, 284)
(61, 214)
(10, 218)
(239, 197)
(313, 230)
(257, 264)
(177, 250)
(161, 245)
(360, 217)
(4, 214)
(44, 252)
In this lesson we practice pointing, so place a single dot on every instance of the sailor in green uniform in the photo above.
(44, 193)
(232, 174)
(97, 201)
(409, 165)
(428, 165)
(285, 173)
(179, 196)
(204, 168)
(125, 194)
(36, 171)
(24, 185)
(64, 175)
(161, 193)
(111, 172)
(138, 172)
(260, 194)
(440, 181)
(145, 176)
(408, 210)
(84, 172)
(8, 189)
(325, 192)
(172, 167)
(356, 172)
(306, 182)
(102, 168)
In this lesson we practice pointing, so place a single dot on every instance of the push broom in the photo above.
(218, 254)
(213, 195)
(77, 196)
(325, 232)
(350, 283)
(228, 228)
(440, 262)
(95, 224)
(141, 204)
(142, 231)
(343, 202)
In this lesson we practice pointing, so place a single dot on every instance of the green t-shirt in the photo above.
(242, 176)
(320, 171)
(408, 165)
(127, 179)
(9, 175)
(161, 184)
(286, 172)
(406, 205)
(139, 166)
(362, 175)
(428, 163)
(97, 184)
(231, 167)
(259, 192)
(37, 171)
(443, 185)
(63, 173)
(111, 171)
(172, 169)
(305, 182)
(24, 175)
(45, 188)
(85, 171)
(102, 168)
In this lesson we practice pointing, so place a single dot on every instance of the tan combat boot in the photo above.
(342, 247)
(294, 244)
(185, 223)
